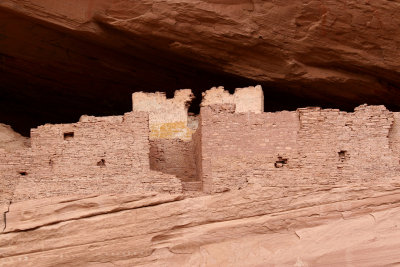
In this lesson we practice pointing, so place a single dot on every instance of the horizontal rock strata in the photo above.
(75, 56)
(307, 226)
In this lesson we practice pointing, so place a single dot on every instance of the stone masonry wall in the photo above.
(173, 148)
(168, 118)
(247, 99)
(306, 147)
(93, 156)
(230, 145)
(14, 157)
(173, 156)
(13, 166)
(394, 136)
(238, 148)
(171, 130)
(341, 147)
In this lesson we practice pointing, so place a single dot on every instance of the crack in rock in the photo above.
(5, 215)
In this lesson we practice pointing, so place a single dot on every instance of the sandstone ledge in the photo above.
(299, 226)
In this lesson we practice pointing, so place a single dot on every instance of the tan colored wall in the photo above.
(394, 135)
(173, 156)
(362, 134)
(229, 149)
(171, 130)
(248, 99)
(13, 165)
(319, 146)
(14, 160)
(173, 148)
(168, 118)
(105, 155)
(240, 147)
(198, 155)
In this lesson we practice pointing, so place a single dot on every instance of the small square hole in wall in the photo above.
(343, 155)
(101, 163)
(68, 135)
(280, 162)
(22, 173)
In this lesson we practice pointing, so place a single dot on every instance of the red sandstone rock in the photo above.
(306, 188)
(10, 140)
(298, 226)
(335, 53)
(312, 206)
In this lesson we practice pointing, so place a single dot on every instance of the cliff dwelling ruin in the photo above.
(232, 143)
(108, 159)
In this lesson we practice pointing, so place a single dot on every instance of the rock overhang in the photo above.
(64, 60)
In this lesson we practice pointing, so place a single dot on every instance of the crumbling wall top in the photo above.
(161, 108)
(93, 119)
(248, 99)
(167, 116)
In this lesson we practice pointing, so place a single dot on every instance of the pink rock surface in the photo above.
(331, 53)
(11, 141)
(233, 202)
(61, 59)
(319, 226)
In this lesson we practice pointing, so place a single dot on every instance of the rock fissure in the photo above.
(115, 210)
(187, 229)
(5, 215)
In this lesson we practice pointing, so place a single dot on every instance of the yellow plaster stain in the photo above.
(171, 130)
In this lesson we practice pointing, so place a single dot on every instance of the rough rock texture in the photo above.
(234, 145)
(340, 48)
(13, 159)
(10, 140)
(62, 59)
(168, 118)
(249, 99)
(309, 146)
(297, 226)
(315, 187)
(93, 156)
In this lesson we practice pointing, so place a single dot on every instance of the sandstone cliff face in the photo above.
(79, 53)
(270, 223)
(297, 43)
(62, 59)
(318, 226)
(10, 140)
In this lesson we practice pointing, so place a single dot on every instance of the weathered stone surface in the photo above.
(298, 226)
(13, 159)
(234, 145)
(10, 140)
(62, 59)
(335, 53)
(168, 118)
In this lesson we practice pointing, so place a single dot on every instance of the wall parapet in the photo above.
(168, 118)
(248, 99)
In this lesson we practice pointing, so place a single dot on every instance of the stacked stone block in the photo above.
(231, 144)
